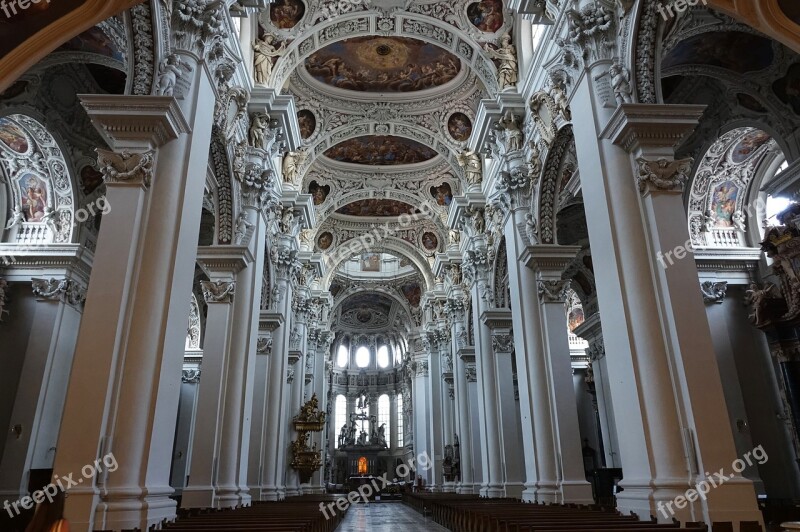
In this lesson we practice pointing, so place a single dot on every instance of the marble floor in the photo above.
(385, 517)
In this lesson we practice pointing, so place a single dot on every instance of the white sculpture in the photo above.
(291, 166)
(621, 82)
(506, 54)
(168, 74)
(242, 227)
(264, 52)
(471, 163)
(16, 218)
(258, 127)
(512, 134)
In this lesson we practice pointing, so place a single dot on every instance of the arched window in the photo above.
(400, 421)
(398, 354)
(340, 413)
(362, 357)
(384, 410)
(341, 356)
(383, 356)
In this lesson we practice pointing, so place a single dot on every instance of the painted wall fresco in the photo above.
(285, 14)
(373, 301)
(325, 240)
(486, 15)
(732, 50)
(413, 293)
(385, 150)
(319, 193)
(749, 144)
(93, 41)
(459, 126)
(429, 241)
(371, 262)
(308, 123)
(723, 203)
(33, 197)
(377, 207)
(443, 194)
(383, 64)
(90, 179)
(13, 136)
(575, 318)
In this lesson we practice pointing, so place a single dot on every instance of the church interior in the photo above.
(317, 265)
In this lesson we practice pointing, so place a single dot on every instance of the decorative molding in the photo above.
(552, 291)
(126, 168)
(62, 290)
(190, 376)
(218, 291)
(663, 175)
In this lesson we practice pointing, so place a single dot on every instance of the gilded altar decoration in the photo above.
(306, 456)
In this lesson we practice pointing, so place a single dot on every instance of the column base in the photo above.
(198, 497)
(270, 494)
(493, 491)
(448, 487)
(123, 509)
(227, 497)
(576, 491)
(313, 490)
(465, 489)
(515, 489)
(548, 493)
(292, 491)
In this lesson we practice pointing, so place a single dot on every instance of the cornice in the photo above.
(641, 126)
(228, 259)
(135, 122)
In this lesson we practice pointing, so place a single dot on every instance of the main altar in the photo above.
(361, 441)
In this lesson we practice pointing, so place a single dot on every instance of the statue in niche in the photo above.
(343, 436)
(257, 133)
(512, 134)
(264, 52)
(621, 82)
(471, 163)
(292, 162)
(506, 55)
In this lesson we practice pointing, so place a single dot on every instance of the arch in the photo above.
(40, 183)
(720, 210)
(385, 290)
(548, 193)
(354, 246)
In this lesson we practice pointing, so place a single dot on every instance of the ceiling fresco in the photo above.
(377, 207)
(285, 14)
(731, 50)
(486, 15)
(383, 150)
(93, 41)
(383, 64)
(368, 309)
(22, 23)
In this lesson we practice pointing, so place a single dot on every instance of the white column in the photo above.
(421, 406)
(437, 437)
(550, 261)
(258, 434)
(42, 387)
(218, 293)
(471, 374)
(499, 322)
(476, 264)
(276, 425)
(125, 376)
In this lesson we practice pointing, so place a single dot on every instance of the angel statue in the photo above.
(264, 52)
(471, 163)
(506, 54)
(621, 82)
(292, 162)
(242, 227)
(168, 75)
(16, 218)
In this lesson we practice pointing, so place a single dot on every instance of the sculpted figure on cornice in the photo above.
(506, 57)
(470, 161)
(264, 52)
(511, 137)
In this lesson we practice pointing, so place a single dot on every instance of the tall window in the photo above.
(384, 411)
(340, 413)
(400, 421)
(341, 356)
(362, 357)
(383, 356)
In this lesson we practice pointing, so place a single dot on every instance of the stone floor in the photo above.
(385, 517)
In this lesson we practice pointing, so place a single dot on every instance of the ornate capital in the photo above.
(218, 291)
(515, 187)
(471, 372)
(502, 343)
(289, 376)
(591, 29)
(552, 291)
(596, 349)
(284, 259)
(264, 346)
(663, 175)
(476, 265)
(714, 292)
(126, 168)
(190, 376)
(198, 25)
(63, 290)
(421, 368)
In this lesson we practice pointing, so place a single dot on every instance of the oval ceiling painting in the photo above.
(377, 207)
(383, 64)
(384, 150)
(486, 15)
(285, 14)
(308, 123)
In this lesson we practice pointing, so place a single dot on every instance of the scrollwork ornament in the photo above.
(663, 175)
(126, 168)
(63, 290)
(190, 376)
(552, 291)
(714, 292)
(218, 291)
(502, 343)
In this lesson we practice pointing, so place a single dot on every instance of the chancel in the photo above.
(436, 264)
